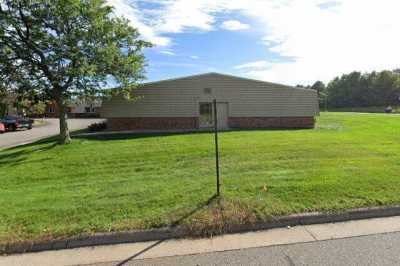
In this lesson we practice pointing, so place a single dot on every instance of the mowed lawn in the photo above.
(140, 182)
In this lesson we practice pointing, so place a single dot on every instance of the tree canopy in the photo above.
(364, 89)
(356, 89)
(318, 86)
(62, 49)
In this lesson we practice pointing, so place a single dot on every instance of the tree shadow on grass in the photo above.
(45, 140)
(13, 156)
(122, 136)
(173, 225)
(106, 136)
(18, 154)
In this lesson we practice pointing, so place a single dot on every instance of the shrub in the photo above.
(97, 126)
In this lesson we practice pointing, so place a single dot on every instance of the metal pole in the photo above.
(216, 144)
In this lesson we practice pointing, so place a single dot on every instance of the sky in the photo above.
(285, 41)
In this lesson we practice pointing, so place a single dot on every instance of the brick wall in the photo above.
(176, 123)
(152, 123)
(271, 122)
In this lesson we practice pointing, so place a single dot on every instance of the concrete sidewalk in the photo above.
(378, 249)
(156, 249)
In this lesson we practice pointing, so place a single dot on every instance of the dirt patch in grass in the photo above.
(218, 217)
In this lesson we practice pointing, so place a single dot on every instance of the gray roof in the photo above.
(224, 75)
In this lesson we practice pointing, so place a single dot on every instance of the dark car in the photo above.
(388, 109)
(13, 123)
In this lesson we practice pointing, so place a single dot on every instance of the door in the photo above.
(207, 115)
(222, 115)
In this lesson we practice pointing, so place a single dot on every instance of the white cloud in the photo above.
(166, 52)
(180, 15)
(234, 25)
(170, 16)
(326, 42)
(194, 57)
(172, 64)
(130, 12)
(254, 65)
(323, 38)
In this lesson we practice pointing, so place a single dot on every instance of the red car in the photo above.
(2, 128)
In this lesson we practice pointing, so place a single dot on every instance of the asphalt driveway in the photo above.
(50, 128)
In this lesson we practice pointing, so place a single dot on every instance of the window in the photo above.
(50, 109)
(207, 90)
(206, 119)
(90, 109)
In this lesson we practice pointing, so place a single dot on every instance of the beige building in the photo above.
(76, 109)
(186, 104)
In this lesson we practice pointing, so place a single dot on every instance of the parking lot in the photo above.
(49, 127)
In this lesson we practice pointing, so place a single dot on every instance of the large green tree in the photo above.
(65, 49)
(358, 89)
(319, 86)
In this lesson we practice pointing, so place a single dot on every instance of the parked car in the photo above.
(13, 123)
(2, 128)
(388, 109)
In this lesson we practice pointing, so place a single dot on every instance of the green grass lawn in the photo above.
(371, 109)
(140, 182)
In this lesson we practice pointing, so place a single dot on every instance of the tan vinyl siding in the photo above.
(246, 98)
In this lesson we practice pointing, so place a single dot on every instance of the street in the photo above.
(49, 128)
(381, 249)
(361, 242)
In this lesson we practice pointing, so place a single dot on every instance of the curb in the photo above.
(177, 232)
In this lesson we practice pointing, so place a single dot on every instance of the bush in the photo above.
(97, 127)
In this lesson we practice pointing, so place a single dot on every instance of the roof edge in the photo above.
(178, 78)
(226, 75)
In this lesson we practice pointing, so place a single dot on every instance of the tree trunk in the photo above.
(64, 137)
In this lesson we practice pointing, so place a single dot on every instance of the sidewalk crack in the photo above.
(289, 259)
(311, 234)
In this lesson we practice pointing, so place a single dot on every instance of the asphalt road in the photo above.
(381, 249)
(50, 128)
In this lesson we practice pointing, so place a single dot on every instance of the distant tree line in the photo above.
(360, 90)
